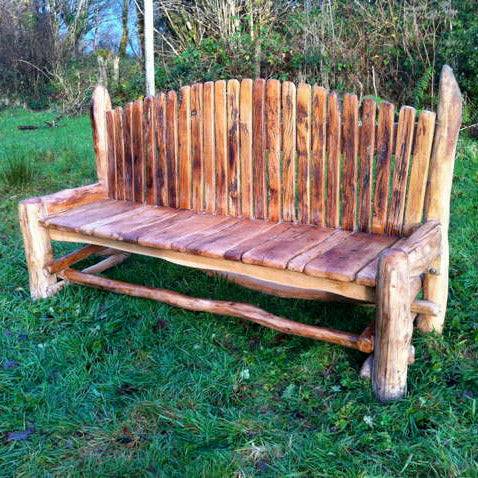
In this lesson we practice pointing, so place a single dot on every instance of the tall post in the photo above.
(438, 195)
(149, 46)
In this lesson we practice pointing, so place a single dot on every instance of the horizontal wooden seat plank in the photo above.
(217, 244)
(321, 252)
(280, 250)
(343, 261)
(298, 262)
(73, 220)
(164, 238)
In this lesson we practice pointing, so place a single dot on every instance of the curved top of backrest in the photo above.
(273, 150)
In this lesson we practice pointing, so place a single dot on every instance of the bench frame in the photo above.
(421, 261)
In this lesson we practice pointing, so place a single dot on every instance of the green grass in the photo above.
(107, 385)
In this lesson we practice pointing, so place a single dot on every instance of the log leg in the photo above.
(393, 327)
(38, 250)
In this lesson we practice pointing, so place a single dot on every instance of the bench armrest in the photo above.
(68, 198)
(422, 247)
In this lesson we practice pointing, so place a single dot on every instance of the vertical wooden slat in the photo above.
(111, 160)
(303, 151)
(289, 102)
(184, 158)
(172, 147)
(317, 162)
(403, 148)
(333, 162)
(350, 143)
(221, 146)
(119, 153)
(273, 145)
(419, 170)
(138, 154)
(245, 148)
(161, 171)
(367, 149)
(234, 193)
(149, 127)
(209, 157)
(197, 146)
(128, 152)
(258, 150)
(385, 135)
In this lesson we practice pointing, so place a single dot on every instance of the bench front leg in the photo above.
(38, 249)
(393, 326)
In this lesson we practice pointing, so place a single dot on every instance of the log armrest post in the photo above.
(38, 249)
(393, 326)
(438, 194)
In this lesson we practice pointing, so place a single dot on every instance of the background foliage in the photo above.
(392, 49)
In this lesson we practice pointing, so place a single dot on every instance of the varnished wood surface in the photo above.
(320, 252)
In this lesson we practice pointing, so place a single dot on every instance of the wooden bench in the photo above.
(278, 188)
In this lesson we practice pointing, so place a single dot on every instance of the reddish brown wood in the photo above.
(73, 257)
(172, 148)
(367, 149)
(233, 186)
(160, 173)
(221, 146)
(128, 152)
(138, 152)
(259, 194)
(273, 145)
(119, 153)
(197, 146)
(111, 159)
(333, 162)
(303, 151)
(403, 148)
(317, 163)
(149, 127)
(209, 158)
(384, 143)
(246, 147)
(184, 148)
(350, 143)
(289, 102)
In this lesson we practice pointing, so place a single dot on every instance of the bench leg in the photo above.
(393, 327)
(38, 250)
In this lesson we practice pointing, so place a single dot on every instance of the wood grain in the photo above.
(221, 146)
(245, 148)
(138, 151)
(184, 148)
(332, 218)
(384, 148)
(317, 162)
(419, 171)
(289, 102)
(303, 151)
(209, 154)
(111, 158)
(119, 153)
(149, 142)
(367, 149)
(259, 192)
(128, 152)
(350, 143)
(172, 147)
(273, 145)
(403, 149)
(197, 146)
(233, 169)
(160, 172)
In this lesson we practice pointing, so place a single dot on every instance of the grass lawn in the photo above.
(95, 384)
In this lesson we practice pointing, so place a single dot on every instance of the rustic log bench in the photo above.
(281, 189)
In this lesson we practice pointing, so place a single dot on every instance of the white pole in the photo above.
(149, 46)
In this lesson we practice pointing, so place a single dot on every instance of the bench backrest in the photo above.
(273, 150)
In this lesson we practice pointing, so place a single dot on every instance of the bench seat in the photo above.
(316, 251)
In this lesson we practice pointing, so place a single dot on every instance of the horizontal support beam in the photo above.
(275, 276)
(78, 255)
(234, 309)
(108, 263)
